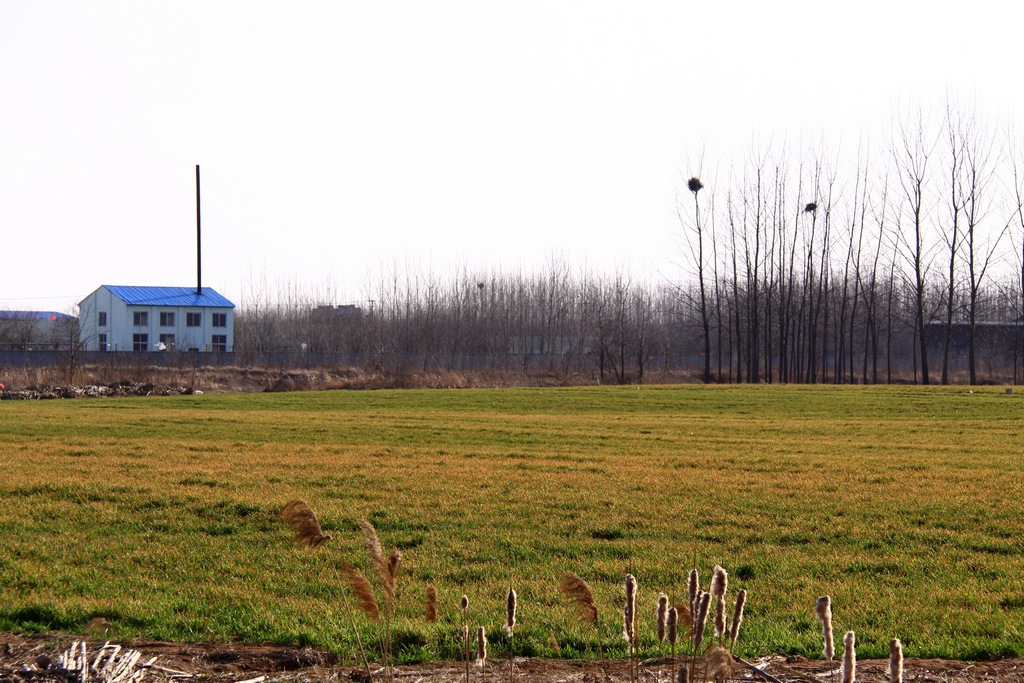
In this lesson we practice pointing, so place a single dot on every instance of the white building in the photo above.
(115, 318)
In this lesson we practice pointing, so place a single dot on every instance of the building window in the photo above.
(103, 340)
(166, 319)
(140, 318)
(219, 341)
(140, 342)
(193, 320)
(167, 341)
(101, 319)
(220, 319)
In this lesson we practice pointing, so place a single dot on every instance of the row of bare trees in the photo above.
(820, 273)
(809, 266)
(584, 327)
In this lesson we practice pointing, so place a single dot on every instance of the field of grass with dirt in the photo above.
(161, 514)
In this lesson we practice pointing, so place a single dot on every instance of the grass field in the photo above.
(902, 503)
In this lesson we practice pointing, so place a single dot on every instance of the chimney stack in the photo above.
(199, 241)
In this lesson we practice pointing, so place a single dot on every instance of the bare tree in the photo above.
(694, 185)
(911, 153)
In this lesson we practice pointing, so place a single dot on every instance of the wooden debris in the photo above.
(110, 664)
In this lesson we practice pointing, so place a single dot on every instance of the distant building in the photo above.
(116, 318)
(30, 330)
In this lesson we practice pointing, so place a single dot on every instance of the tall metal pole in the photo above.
(199, 241)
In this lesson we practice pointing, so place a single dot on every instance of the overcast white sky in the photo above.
(339, 138)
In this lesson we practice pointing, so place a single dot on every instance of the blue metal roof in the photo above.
(169, 296)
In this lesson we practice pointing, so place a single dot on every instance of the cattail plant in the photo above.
(431, 605)
(629, 610)
(510, 624)
(662, 617)
(683, 674)
(693, 589)
(824, 611)
(672, 629)
(701, 619)
(481, 646)
(849, 658)
(719, 586)
(895, 661)
(737, 617)
(510, 611)
(629, 625)
(464, 606)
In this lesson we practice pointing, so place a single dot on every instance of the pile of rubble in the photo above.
(117, 389)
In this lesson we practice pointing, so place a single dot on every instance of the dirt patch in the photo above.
(34, 657)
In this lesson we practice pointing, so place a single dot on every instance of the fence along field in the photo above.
(161, 515)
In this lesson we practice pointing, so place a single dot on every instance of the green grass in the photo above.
(902, 503)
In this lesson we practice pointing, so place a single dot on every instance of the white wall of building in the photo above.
(120, 330)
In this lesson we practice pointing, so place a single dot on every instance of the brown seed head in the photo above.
(302, 520)
(578, 590)
(362, 589)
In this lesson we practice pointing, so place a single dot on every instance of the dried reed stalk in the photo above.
(300, 517)
(895, 661)
(431, 604)
(849, 657)
(824, 611)
(394, 561)
(578, 590)
(381, 564)
(737, 616)
(672, 628)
